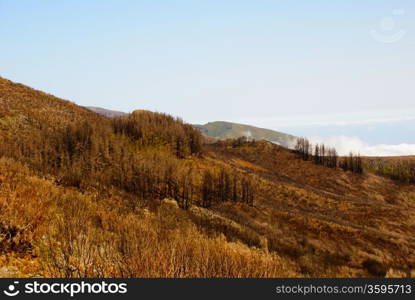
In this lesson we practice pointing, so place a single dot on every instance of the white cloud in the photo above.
(333, 119)
(359, 122)
(345, 144)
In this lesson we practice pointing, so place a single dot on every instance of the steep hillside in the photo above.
(227, 130)
(144, 195)
(21, 106)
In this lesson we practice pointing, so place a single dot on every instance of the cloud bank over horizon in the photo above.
(347, 144)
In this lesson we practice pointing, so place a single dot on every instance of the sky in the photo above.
(334, 71)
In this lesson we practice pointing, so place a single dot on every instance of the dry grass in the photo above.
(56, 231)
(76, 235)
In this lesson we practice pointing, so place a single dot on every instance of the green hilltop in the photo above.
(228, 130)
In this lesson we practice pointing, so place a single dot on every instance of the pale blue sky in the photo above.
(257, 62)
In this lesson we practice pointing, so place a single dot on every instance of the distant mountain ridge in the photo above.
(107, 112)
(228, 130)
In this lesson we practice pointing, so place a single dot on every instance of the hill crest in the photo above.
(229, 130)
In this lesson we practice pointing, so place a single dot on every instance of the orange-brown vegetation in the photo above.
(83, 195)
(397, 168)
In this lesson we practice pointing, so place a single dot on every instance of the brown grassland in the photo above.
(146, 195)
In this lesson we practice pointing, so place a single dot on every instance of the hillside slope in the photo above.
(21, 106)
(144, 196)
(228, 130)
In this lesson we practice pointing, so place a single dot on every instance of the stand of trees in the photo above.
(226, 186)
(147, 154)
(320, 154)
(326, 156)
(304, 148)
(352, 163)
(149, 129)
